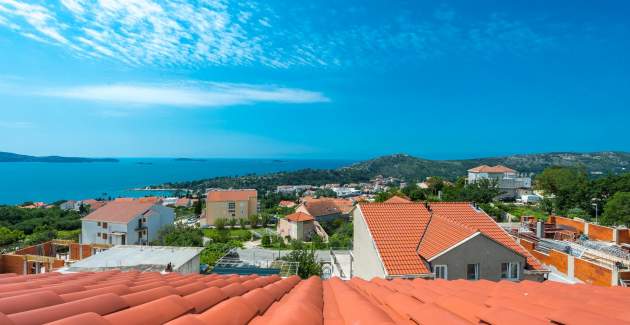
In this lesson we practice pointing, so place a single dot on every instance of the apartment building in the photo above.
(510, 182)
(125, 223)
(230, 204)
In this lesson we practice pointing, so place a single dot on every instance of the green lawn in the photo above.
(228, 234)
(521, 210)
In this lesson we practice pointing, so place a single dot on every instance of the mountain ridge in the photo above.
(14, 157)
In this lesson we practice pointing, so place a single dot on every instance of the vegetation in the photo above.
(617, 210)
(571, 192)
(180, 235)
(306, 259)
(19, 226)
(411, 169)
(325, 192)
(214, 251)
(225, 235)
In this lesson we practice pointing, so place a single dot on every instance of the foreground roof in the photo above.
(492, 169)
(115, 297)
(407, 233)
(230, 195)
(119, 212)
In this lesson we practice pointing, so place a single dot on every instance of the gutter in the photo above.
(411, 276)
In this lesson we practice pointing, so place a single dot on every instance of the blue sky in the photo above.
(317, 79)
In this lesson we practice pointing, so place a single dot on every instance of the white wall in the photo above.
(367, 263)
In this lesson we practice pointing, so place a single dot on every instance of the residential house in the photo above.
(326, 209)
(230, 204)
(184, 202)
(121, 223)
(442, 240)
(69, 205)
(93, 204)
(287, 204)
(298, 226)
(511, 183)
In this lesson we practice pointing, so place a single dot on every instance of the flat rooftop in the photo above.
(147, 258)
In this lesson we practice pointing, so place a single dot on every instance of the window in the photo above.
(472, 271)
(98, 224)
(104, 235)
(510, 270)
(440, 271)
(104, 224)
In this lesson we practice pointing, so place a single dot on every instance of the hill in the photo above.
(13, 157)
(411, 168)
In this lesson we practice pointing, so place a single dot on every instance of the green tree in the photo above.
(325, 192)
(546, 204)
(8, 236)
(179, 235)
(253, 220)
(266, 240)
(220, 223)
(617, 210)
(569, 185)
(242, 222)
(306, 259)
(232, 222)
(199, 207)
(264, 218)
(414, 192)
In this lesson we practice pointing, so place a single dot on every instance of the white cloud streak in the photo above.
(182, 33)
(190, 95)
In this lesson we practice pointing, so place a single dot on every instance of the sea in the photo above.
(50, 182)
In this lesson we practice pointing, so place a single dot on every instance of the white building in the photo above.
(121, 223)
(346, 191)
(142, 258)
(510, 182)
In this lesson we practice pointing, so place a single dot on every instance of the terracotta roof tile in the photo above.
(442, 234)
(396, 230)
(119, 212)
(313, 301)
(489, 169)
(398, 199)
(230, 195)
(300, 217)
(464, 213)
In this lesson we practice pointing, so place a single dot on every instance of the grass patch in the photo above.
(225, 235)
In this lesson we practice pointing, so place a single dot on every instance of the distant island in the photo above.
(13, 157)
(190, 159)
(413, 169)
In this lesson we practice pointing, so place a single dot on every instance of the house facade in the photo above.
(441, 240)
(326, 209)
(125, 223)
(297, 226)
(230, 204)
(509, 181)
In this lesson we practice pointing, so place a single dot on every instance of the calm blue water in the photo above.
(48, 182)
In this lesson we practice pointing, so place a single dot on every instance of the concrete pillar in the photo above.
(25, 268)
(571, 267)
(615, 276)
(615, 238)
(586, 228)
(539, 230)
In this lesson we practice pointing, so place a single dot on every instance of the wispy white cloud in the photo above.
(278, 34)
(194, 94)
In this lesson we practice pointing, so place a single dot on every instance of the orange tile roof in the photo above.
(326, 206)
(397, 199)
(465, 214)
(119, 212)
(286, 203)
(300, 217)
(489, 169)
(115, 297)
(396, 230)
(230, 195)
(442, 234)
